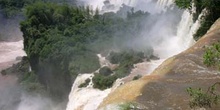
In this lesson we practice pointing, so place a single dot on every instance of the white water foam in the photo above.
(89, 98)
(9, 51)
(85, 98)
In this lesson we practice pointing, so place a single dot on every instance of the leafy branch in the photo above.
(202, 99)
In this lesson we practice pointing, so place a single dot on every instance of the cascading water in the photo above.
(164, 3)
(169, 43)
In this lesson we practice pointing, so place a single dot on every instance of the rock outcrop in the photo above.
(165, 88)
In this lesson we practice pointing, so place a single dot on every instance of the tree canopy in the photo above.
(62, 41)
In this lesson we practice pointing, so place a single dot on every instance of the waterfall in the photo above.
(85, 98)
(173, 43)
(164, 4)
(187, 28)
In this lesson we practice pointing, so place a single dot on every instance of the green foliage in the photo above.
(31, 83)
(11, 8)
(213, 10)
(202, 99)
(125, 56)
(125, 59)
(61, 41)
(184, 4)
(103, 82)
(115, 57)
(137, 77)
(128, 106)
(212, 55)
(106, 71)
(85, 63)
(85, 84)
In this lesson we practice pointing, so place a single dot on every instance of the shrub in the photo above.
(103, 82)
(212, 55)
(114, 57)
(106, 71)
(85, 84)
(203, 99)
(137, 77)
(85, 63)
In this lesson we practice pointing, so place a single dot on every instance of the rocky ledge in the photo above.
(165, 88)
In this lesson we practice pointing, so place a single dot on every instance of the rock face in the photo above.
(165, 88)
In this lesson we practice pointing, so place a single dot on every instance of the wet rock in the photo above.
(165, 88)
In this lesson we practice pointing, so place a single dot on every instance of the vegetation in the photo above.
(85, 63)
(62, 41)
(11, 8)
(105, 71)
(212, 55)
(85, 84)
(184, 4)
(31, 83)
(126, 59)
(128, 106)
(27, 79)
(213, 10)
(211, 97)
(204, 99)
(200, 98)
(103, 82)
(137, 77)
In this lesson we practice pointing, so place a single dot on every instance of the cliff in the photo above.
(166, 87)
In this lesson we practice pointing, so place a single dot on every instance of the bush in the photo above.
(103, 82)
(204, 99)
(137, 77)
(85, 84)
(114, 57)
(85, 63)
(106, 71)
(124, 56)
(126, 61)
(212, 55)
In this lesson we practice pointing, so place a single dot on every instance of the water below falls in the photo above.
(172, 39)
(171, 43)
(9, 51)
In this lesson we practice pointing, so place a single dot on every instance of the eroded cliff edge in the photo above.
(166, 87)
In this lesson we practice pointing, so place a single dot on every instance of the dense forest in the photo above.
(62, 40)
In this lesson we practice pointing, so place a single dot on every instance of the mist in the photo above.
(12, 95)
(158, 30)
(10, 29)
